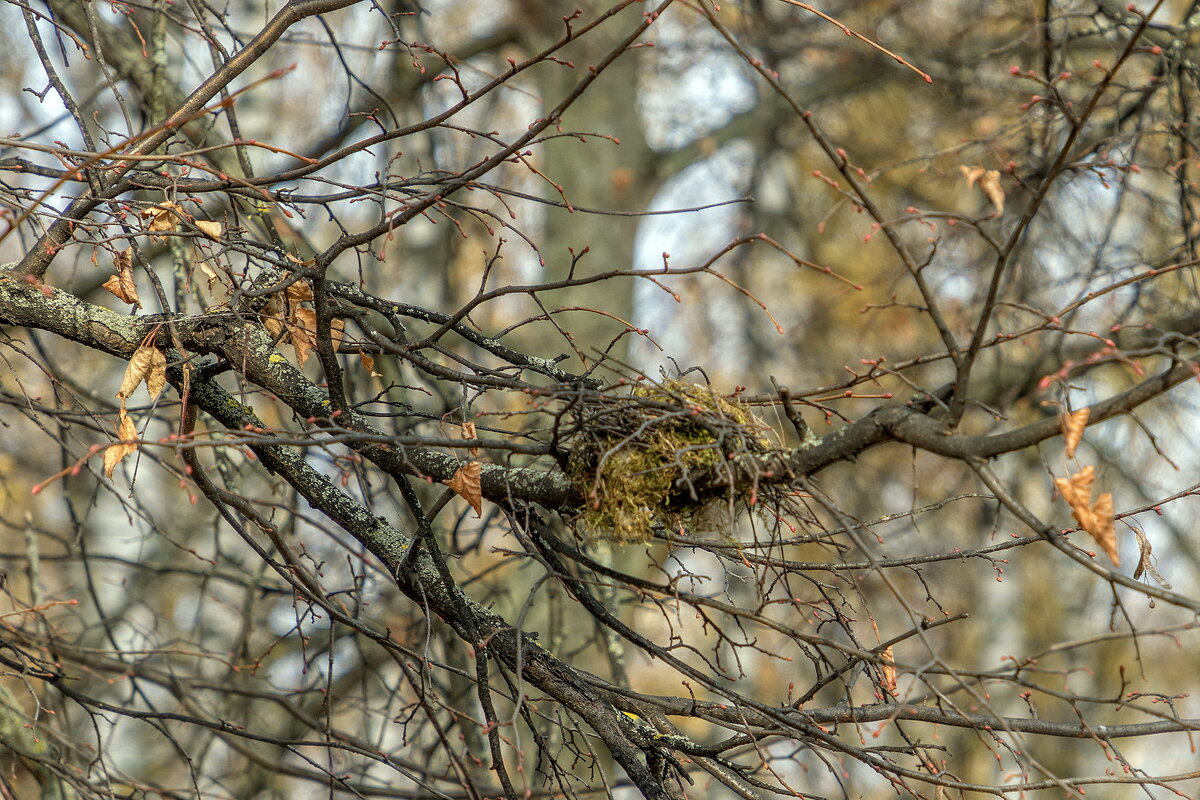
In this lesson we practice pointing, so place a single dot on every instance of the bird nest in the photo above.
(636, 457)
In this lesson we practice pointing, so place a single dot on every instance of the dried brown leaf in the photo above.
(368, 363)
(1146, 560)
(337, 333)
(210, 274)
(210, 229)
(146, 364)
(302, 328)
(156, 378)
(162, 218)
(1103, 527)
(989, 183)
(123, 261)
(1095, 518)
(122, 284)
(299, 292)
(1073, 425)
(126, 292)
(466, 484)
(468, 432)
(115, 453)
(888, 667)
(272, 316)
(1077, 490)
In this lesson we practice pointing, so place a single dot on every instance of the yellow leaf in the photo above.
(1072, 428)
(115, 453)
(466, 483)
(210, 229)
(122, 284)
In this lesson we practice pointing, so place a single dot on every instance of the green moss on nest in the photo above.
(630, 452)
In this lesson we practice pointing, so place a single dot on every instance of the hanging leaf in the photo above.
(146, 364)
(1077, 489)
(368, 363)
(468, 432)
(888, 667)
(299, 292)
(272, 316)
(1145, 559)
(989, 183)
(302, 327)
(209, 273)
(156, 378)
(114, 454)
(1097, 519)
(337, 333)
(122, 284)
(300, 322)
(466, 484)
(1072, 428)
(1103, 527)
(162, 218)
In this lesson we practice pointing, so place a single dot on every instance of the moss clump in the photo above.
(632, 454)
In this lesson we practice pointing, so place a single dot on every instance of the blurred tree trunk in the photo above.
(598, 174)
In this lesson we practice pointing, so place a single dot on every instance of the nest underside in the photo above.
(635, 458)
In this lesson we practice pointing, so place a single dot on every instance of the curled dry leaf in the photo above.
(300, 322)
(299, 292)
(368, 363)
(162, 218)
(1145, 559)
(468, 432)
(1077, 489)
(122, 284)
(1104, 527)
(302, 329)
(272, 316)
(146, 364)
(210, 229)
(1095, 518)
(114, 454)
(989, 183)
(1072, 428)
(888, 665)
(212, 277)
(337, 333)
(466, 484)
